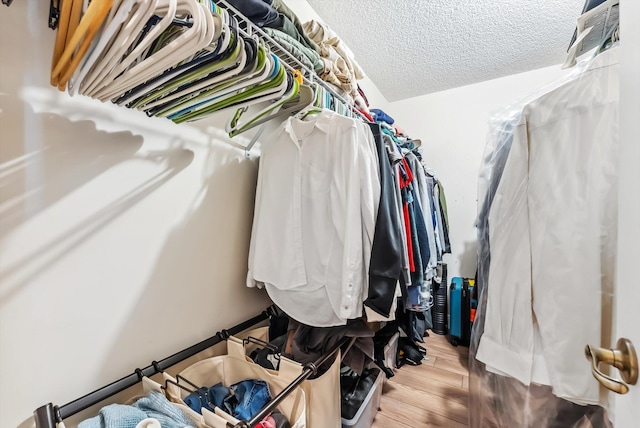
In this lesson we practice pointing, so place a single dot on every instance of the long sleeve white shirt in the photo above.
(316, 205)
(553, 237)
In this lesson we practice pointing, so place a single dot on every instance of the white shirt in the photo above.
(316, 205)
(553, 225)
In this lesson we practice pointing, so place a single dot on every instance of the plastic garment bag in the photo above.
(547, 209)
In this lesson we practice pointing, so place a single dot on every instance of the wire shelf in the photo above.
(292, 63)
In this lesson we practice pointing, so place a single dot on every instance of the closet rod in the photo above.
(309, 369)
(49, 415)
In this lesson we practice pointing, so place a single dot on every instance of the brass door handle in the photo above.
(624, 358)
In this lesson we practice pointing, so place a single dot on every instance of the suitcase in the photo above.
(460, 309)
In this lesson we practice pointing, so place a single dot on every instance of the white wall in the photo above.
(123, 238)
(453, 127)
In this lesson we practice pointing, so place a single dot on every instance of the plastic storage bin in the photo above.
(369, 408)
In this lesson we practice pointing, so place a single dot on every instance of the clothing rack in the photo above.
(49, 415)
(248, 28)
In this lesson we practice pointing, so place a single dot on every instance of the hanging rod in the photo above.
(49, 415)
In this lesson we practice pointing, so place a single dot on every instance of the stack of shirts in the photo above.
(341, 68)
(274, 14)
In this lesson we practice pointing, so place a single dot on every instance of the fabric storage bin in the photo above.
(369, 408)
(322, 393)
(233, 368)
(391, 352)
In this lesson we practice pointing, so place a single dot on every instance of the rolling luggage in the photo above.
(460, 309)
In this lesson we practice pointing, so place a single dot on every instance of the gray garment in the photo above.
(438, 213)
(292, 23)
(424, 198)
(395, 157)
(310, 343)
(308, 57)
(431, 184)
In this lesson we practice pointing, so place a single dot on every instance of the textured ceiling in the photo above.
(415, 47)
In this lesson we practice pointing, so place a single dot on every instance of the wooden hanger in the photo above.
(67, 24)
(81, 39)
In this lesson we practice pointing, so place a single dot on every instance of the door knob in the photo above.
(624, 358)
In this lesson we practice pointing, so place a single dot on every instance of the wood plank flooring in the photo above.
(434, 394)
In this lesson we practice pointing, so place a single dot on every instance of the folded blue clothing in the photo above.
(260, 12)
(381, 116)
(247, 398)
(242, 400)
(154, 405)
(201, 398)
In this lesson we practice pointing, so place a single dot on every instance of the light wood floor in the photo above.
(433, 394)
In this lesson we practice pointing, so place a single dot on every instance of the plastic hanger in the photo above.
(313, 106)
(188, 42)
(80, 41)
(258, 71)
(582, 33)
(271, 89)
(141, 90)
(233, 127)
(265, 67)
(235, 59)
(207, 54)
(222, 73)
(110, 31)
(302, 100)
(102, 72)
(242, 92)
(173, 46)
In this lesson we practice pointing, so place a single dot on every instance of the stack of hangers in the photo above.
(179, 59)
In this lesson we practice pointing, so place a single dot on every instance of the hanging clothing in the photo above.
(444, 216)
(553, 226)
(315, 213)
(386, 257)
(424, 199)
